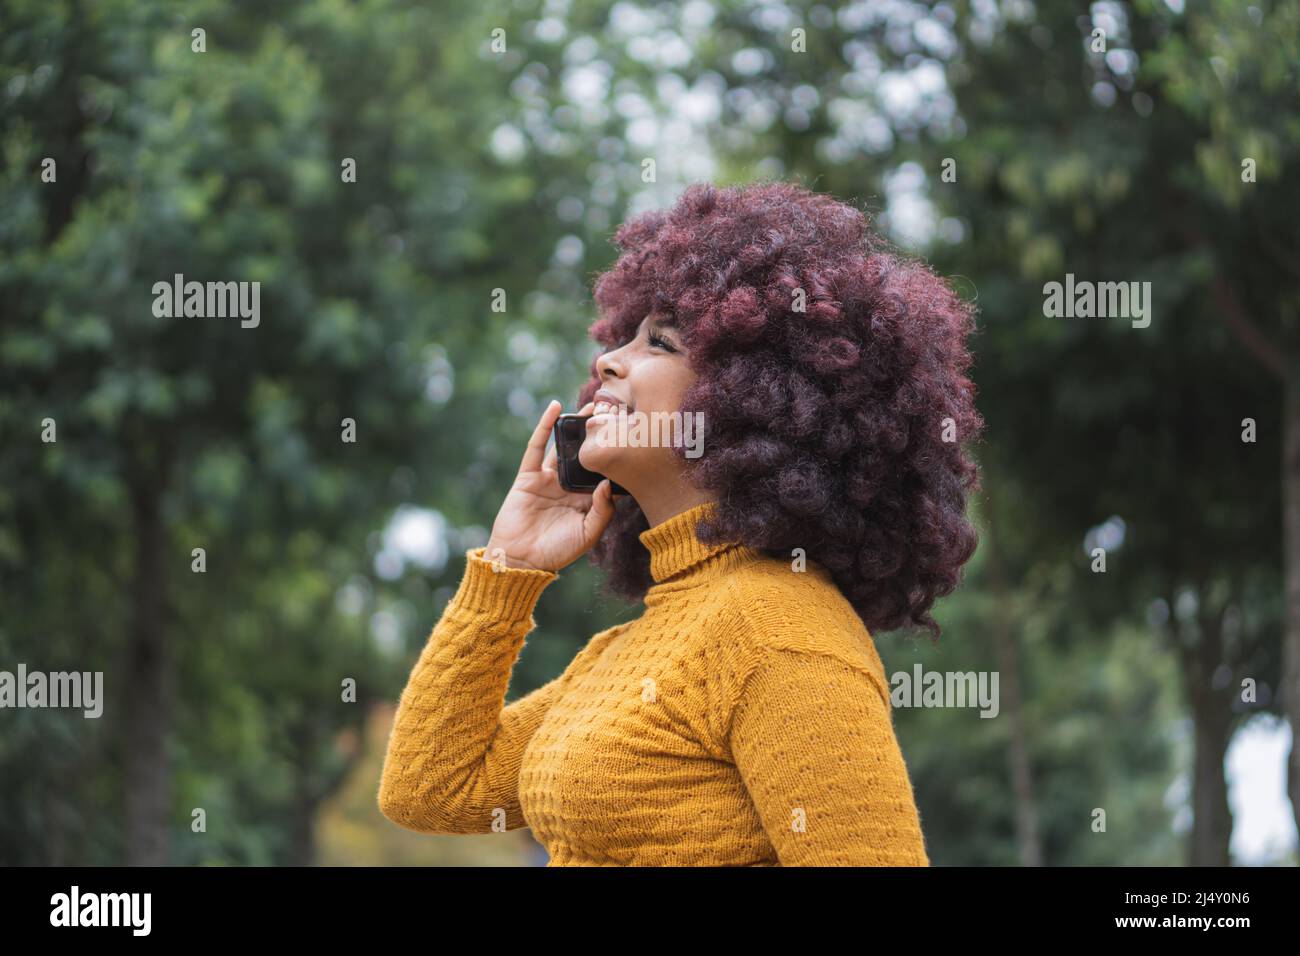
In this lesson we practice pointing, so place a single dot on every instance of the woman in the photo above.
(744, 718)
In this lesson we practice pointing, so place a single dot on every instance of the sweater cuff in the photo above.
(498, 590)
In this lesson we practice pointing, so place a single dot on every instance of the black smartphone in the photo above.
(570, 432)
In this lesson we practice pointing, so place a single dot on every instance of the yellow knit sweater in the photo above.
(743, 720)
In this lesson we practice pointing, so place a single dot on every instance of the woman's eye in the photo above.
(660, 343)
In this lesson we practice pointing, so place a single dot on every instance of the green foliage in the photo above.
(226, 166)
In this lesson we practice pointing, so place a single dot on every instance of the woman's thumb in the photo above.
(599, 514)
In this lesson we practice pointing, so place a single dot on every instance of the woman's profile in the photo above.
(744, 718)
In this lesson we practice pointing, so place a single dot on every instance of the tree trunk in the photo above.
(1290, 689)
(302, 839)
(1212, 718)
(1212, 820)
(1008, 656)
(147, 681)
(1285, 368)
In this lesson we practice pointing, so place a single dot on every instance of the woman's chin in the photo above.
(602, 456)
(595, 459)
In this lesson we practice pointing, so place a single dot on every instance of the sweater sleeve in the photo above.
(814, 742)
(454, 752)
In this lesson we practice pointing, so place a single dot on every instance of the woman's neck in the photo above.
(659, 505)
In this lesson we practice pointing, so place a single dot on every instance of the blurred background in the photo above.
(438, 297)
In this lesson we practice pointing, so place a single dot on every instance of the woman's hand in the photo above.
(540, 525)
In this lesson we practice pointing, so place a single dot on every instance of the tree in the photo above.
(230, 160)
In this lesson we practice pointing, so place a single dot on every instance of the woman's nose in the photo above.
(610, 364)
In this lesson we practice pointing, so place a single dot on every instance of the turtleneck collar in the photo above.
(675, 550)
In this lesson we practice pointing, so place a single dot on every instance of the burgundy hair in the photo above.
(824, 428)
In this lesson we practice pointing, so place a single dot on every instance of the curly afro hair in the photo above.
(832, 377)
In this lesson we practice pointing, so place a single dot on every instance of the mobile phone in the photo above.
(570, 431)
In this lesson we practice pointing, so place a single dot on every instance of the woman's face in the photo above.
(649, 374)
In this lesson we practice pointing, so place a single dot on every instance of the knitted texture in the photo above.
(743, 720)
